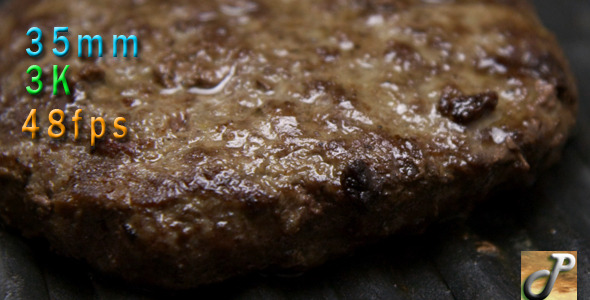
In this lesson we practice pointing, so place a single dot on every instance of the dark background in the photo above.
(473, 258)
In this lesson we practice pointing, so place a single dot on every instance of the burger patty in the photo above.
(272, 135)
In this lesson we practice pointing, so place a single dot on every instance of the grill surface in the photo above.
(473, 258)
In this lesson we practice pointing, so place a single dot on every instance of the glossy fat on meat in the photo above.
(271, 135)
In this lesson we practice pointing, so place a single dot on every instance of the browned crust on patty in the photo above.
(343, 122)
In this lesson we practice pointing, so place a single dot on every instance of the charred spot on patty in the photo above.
(359, 182)
(464, 109)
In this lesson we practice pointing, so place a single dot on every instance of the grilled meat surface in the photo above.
(272, 134)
